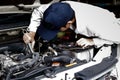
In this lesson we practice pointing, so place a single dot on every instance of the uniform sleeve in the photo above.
(100, 42)
(36, 17)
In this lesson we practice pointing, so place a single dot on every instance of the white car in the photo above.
(56, 60)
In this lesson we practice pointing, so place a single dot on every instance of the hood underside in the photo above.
(18, 6)
(15, 2)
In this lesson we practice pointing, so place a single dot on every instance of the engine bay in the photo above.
(19, 61)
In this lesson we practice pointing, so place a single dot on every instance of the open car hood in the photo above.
(15, 2)
(21, 6)
(18, 6)
(15, 14)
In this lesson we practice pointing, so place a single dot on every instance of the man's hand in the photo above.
(29, 37)
(84, 42)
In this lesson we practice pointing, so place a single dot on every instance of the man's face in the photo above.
(64, 28)
(67, 26)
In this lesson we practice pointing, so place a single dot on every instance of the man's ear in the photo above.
(71, 21)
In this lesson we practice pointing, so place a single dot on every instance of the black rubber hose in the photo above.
(32, 73)
(63, 59)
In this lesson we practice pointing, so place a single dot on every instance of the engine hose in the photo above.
(63, 59)
(13, 47)
(22, 66)
(32, 73)
(8, 75)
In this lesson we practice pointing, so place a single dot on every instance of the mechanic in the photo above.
(99, 25)
(91, 21)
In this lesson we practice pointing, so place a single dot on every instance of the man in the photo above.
(99, 25)
(91, 21)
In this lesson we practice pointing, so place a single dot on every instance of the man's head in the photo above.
(55, 17)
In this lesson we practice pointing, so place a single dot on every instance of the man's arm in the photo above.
(35, 22)
(97, 42)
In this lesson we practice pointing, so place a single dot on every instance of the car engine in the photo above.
(17, 59)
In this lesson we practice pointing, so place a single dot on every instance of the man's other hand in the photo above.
(85, 42)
